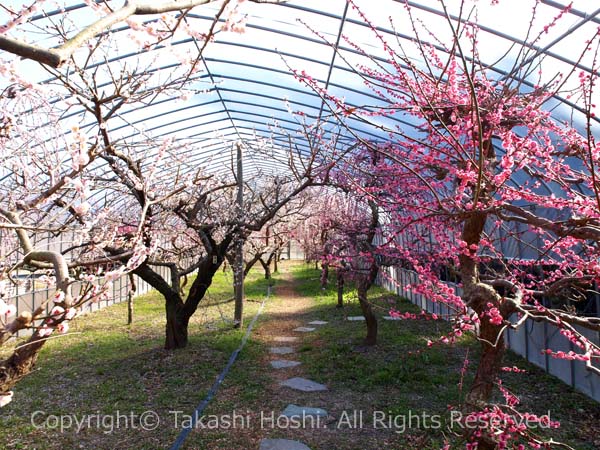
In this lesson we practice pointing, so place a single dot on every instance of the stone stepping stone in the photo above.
(318, 322)
(282, 444)
(356, 318)
(304, 385)
(391, 318)
(284, 363)
(294, 411)
(281, 350)
(285, 338)
(305, 329)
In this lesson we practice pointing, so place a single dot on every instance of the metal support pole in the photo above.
(238, 270)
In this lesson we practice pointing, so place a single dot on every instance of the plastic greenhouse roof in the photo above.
(245, 91)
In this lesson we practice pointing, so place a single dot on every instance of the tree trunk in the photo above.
(130, 293)
(177, 325)
(248, 265)
(20, 363)
(129, 308)
(179, 312)
(275, 262)
(366, 279)
(478, 295)
(370, 319)
(340, 288)
(267, 269)
(490, 364)
(267, 264)
(324, 275)
(488, 370)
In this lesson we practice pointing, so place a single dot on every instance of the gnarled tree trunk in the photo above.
(178, 311)
(490, 363)
(478, 296)
(368, 276)
(176, 330)
(20, 363)
(362, 287)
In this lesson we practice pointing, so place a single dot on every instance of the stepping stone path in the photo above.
(304, 385)
(356, 318)
(301, 384)
(293, 411)
(281, 350)
(317, 322)
(282, 444)
(284, 363)
(285, 339)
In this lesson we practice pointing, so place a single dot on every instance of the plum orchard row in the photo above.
(480, 165)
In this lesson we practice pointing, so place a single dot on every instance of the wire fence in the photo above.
(528, 340)
(26, 295)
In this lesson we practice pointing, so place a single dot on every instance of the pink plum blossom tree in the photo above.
(473, 164)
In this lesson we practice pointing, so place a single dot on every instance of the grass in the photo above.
(112, 368)
(108, 367)
(402, 376)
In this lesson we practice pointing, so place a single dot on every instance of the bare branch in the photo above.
(55, 57)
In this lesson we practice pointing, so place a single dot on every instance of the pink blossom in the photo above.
(59, 296)
(44, 331)
(57, 310)
(70, 313)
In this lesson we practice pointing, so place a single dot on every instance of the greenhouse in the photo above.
(299, 224)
